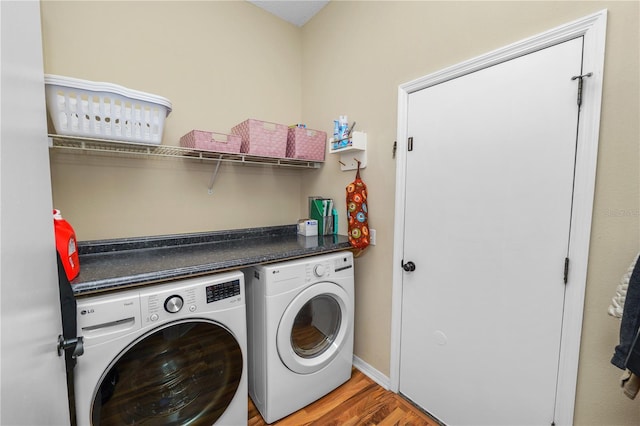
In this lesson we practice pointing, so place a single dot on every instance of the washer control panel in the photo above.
(173, 304)
(195, 296)
(223, 291)
(159, 305)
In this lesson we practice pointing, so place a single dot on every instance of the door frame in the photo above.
(593, 29)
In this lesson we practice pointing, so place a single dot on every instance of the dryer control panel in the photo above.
(330, 267)
(343, 263)
(287, 276)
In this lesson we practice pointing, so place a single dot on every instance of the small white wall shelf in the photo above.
(351, 150)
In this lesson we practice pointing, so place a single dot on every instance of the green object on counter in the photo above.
(320, 212)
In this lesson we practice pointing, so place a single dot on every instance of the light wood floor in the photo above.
(360, 401)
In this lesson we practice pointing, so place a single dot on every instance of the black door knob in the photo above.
(409, 266)
(76, 343)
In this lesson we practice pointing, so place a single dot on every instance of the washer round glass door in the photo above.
(184, 373)
(314, 328)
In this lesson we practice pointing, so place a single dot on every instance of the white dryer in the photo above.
(168, 354)
(300, 331)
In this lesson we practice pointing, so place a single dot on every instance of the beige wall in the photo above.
(219, 63)
(350, 60)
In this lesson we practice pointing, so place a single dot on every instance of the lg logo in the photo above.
(87, 311)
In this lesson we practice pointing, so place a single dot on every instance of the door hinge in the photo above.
(566, 269)
(395, 148)
(580, 78)
(410, 144)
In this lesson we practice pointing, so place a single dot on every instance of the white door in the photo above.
(33, 381)
(488, 207)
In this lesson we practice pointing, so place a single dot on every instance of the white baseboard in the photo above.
(371, 372)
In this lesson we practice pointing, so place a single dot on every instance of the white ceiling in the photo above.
(298, 12)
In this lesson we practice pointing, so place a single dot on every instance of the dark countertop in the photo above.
(108, 265)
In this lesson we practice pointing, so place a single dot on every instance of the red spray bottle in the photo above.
(66, 245)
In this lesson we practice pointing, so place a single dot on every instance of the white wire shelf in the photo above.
(118, 148)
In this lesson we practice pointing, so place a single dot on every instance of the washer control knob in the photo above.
(173, 304)
(318, 270)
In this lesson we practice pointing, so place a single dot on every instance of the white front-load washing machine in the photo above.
(166, 354)
(300, 331)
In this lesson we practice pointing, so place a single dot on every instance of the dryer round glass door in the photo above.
(186, 372)
(314, 327)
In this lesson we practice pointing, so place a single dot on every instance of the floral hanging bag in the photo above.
(357, 212)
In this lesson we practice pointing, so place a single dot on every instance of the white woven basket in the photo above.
(104, 110)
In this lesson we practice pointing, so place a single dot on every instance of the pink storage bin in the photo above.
(262, 138)
(210, 141)
(306, 144)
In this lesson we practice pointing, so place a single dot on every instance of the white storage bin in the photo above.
(104, 110)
